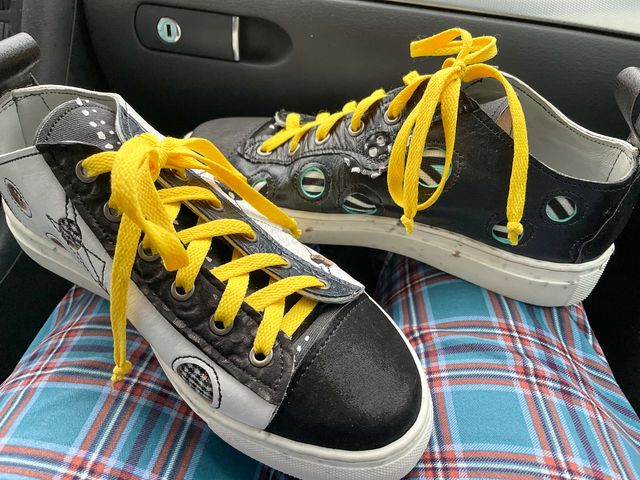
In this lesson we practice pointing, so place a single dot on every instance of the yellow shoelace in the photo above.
(442, 88)
(144, 209)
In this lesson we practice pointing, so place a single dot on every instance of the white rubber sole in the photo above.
(533, 281)
(304, 461)
(301, 460)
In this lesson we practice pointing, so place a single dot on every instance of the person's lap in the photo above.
(519, 392)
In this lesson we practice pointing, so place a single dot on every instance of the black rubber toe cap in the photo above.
(228, 133)
(357, 389)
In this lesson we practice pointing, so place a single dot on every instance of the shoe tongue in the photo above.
(498, 110)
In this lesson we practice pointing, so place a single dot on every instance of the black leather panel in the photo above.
(476, 193)
(189, 317)
(358, 387)
(90, 123)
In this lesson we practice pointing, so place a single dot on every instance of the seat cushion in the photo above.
(519, 392)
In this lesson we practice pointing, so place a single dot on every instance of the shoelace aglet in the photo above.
(514, 230)
(408, 223)
(120, 372)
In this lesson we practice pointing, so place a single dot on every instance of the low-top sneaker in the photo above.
(276, 348)
(467, 169)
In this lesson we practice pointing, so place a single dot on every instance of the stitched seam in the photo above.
(21, 158)
(68, 111)
(556, 176)
(618, 212)
(559, 121)
(14, 100)
(189, 357)
(293, 386)
(201, 340)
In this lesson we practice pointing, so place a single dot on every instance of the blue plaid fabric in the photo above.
(519, 392)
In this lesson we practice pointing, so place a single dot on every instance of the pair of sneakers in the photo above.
(281, 352)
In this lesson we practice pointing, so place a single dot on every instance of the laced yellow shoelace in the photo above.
(442, 88)
(134, 168)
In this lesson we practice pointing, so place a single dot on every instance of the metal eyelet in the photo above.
(321, 141)
(294, 150)
(146, 255)
(390, 121)
(181, 176)
(111, 214)
(355, 133)
(326, 285)
(287, 266)
(181, 297)
(81, 173)
(219, 330)
(261, 152)
(253, 239)
(260, 362)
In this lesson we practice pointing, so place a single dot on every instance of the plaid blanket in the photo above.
(519, 392)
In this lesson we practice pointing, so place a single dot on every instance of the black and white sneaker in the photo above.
(283, 355)
(527, 208)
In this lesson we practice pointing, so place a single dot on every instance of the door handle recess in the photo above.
(210, 34)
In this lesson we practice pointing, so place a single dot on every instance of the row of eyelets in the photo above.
(319, 141)
(265, 153)
(115, 216)
(218, 328)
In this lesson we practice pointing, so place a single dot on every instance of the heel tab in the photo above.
(627, 92)
(18, 54)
